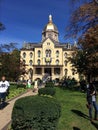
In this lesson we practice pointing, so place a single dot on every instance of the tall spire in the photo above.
(50, 18)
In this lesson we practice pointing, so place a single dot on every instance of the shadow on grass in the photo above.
(95, 125)
(76, 128)
(79, 113)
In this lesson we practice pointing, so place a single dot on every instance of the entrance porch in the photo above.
(53, 71)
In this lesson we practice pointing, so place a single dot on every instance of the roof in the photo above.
(50, 26)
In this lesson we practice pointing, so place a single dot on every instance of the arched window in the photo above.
(24, 55)
(24, 62)
(30, 62)
(31, 54)
(65, 55)
(65, 62)
(48, 53)
(57, 53)
(73, 71)
(57, 62)
(66, 71)
(39, 53)
(38, 62)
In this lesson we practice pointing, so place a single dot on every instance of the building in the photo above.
(48, 57)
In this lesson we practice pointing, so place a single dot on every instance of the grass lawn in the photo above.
(74, 112)
(14, 91)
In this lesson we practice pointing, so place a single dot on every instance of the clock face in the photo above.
(96, 1)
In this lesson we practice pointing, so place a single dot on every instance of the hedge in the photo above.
(47, 91)
(49, 84)
(21, 86)
(35, 113)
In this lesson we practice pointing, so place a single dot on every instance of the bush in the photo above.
(47, 91)
(35, 113)
(21, 86)
(49, 84)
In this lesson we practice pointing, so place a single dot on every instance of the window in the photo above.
(39, 52)
(57, 54)
(31, 54)
(30, 62)
(57, 62)
(65, 55)
(48, 43)
(65, 62)
(38, 62)
(24, 62)
(66, 71)
(24, 55)
(48, 53)
(73, 71)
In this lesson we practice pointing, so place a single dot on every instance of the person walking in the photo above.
(91, 99)
(4, 90)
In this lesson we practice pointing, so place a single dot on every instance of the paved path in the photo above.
(5, 114)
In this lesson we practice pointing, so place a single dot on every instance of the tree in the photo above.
(86, 58)
(2, 27)
(83, 18)
(11, 66)
(84, 25)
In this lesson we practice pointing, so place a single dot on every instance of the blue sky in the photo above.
(25, 19)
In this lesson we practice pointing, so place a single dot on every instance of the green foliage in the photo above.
(11, 66)
(21, 86)
(35, 113)
(49, 84)
(47, 91)
(14, 91)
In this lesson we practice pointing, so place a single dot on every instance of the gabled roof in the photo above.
(31, 46)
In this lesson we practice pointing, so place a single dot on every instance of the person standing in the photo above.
(91, 99)
(29, 83)
(4, 90)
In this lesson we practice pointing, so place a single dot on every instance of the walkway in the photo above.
(5, 114)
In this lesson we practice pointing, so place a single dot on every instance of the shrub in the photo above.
(49, 84)
(21, 86)
(47, 91)
(35, 113)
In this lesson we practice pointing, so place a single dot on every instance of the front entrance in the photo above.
(48, 71)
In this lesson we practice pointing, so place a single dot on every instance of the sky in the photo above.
(25, 19)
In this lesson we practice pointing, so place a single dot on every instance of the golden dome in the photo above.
(50, 26)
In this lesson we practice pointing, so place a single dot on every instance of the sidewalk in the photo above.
(5, 114)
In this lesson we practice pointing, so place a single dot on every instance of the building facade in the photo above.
(48, 57)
